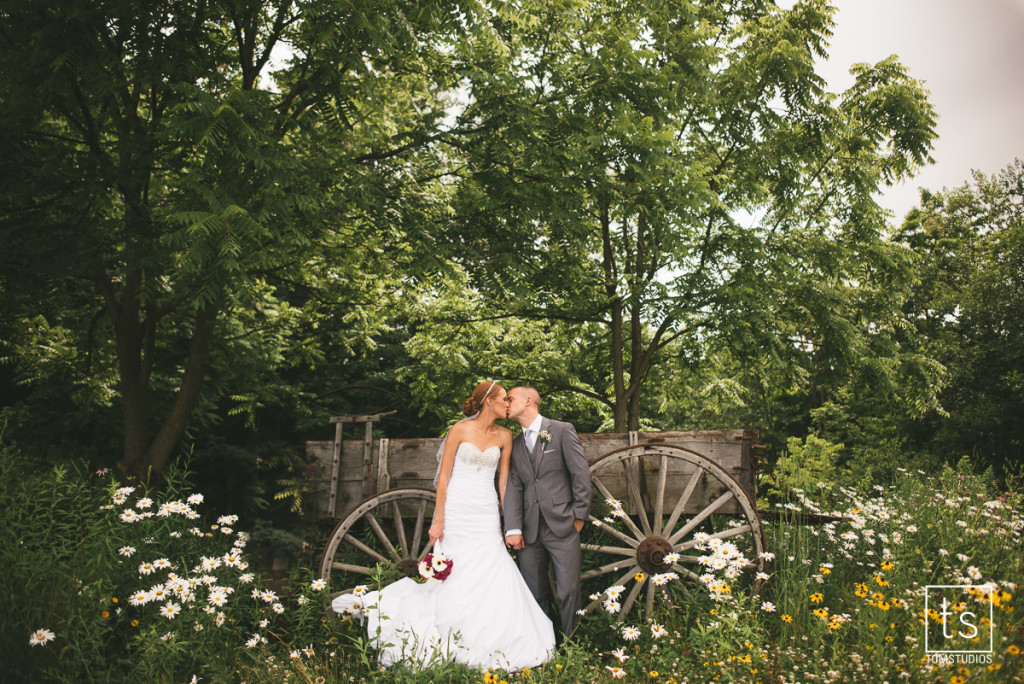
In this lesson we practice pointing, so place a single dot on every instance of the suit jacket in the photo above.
(553, 480)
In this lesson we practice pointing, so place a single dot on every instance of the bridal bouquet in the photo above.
(435, 567)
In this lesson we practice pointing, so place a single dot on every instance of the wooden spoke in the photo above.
(633, 593)
(701, 517)
(649, 601)
(348, 567)
(614, 532)
(594, 603)
(596, 481)
(371, 520)
(606, 569)
(630, 467)
(626, 520)
(683, 500)
(659, 495)
(686, 573)
(724, 534)
(403, 545)
(417, 534)
(365, 549)
(614, 550)
(689, 559)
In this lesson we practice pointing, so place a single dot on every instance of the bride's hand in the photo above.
(436, 531)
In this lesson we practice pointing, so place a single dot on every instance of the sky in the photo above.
(970, 55)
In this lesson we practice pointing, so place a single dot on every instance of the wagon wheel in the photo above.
(388, 528)
(631, 549)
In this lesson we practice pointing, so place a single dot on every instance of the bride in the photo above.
(483, 614)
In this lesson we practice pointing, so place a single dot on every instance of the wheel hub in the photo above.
(650, 555)
(409, 567)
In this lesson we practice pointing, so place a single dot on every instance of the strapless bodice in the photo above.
(469, 455)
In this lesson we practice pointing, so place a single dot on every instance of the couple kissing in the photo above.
(488, 613)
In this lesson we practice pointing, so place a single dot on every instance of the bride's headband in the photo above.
(482, 400)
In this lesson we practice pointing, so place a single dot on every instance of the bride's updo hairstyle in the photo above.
(475, 402)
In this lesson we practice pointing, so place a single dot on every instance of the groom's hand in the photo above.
(578, 524)
(514, 541)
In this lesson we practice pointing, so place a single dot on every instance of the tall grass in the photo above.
(843, 601)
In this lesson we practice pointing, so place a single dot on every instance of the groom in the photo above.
(547, 499)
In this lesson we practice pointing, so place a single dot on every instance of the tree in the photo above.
(164, 177)
(968, 305)
(677, 174)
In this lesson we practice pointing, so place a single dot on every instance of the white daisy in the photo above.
(321, 584)
(630, 633)
(41, 637)
(170, 609)
(613, 592)
(126, 551)
(139, 598)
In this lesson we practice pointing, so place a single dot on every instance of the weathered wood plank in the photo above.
(412, 463)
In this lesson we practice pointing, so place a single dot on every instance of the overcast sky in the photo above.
(969, 53)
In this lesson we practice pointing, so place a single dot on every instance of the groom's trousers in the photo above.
(563, 554)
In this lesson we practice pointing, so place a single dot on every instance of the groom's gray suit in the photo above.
(548, 489)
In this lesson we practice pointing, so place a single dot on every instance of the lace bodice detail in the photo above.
(468, 455)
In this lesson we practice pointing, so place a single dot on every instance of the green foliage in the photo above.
(966, 304)
(196, 190)
(807, 462)
(81, 556)
(670, 174)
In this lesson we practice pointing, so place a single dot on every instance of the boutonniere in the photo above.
(544, 436)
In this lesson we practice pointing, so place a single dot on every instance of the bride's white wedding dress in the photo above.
(483, 615)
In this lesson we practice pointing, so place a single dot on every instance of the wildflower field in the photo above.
(107, 582)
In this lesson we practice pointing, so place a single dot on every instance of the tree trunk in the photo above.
(615, 303)
(143, 457)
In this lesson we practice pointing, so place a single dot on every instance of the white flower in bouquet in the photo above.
(426, 571)
(438, 563)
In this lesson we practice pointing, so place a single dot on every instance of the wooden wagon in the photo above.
(655, 494)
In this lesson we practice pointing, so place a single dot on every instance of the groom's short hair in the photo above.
(533, 393)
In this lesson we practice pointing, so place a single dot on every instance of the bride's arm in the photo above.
(503, 467)
(445, 474)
